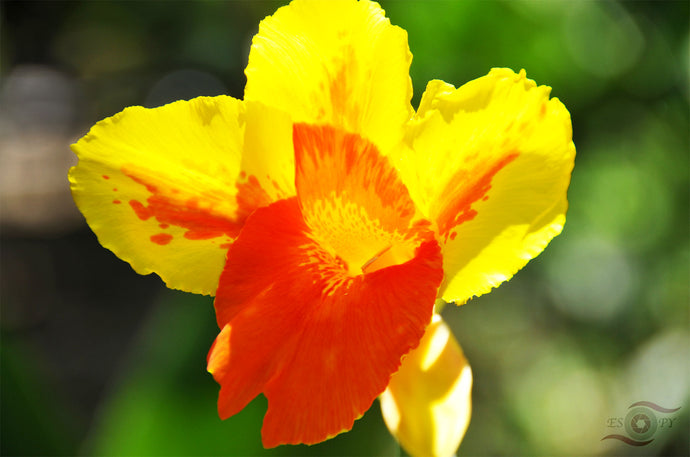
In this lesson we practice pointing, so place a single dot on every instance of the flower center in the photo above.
(346, 230)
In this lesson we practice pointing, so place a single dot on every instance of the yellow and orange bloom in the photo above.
(327, 217)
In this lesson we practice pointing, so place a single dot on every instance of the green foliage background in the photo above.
(99, 361)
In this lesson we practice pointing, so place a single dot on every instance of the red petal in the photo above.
(319, 343)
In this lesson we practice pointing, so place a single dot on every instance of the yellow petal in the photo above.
(427, 404)
(157, 186)
(490, 164)
(334, 62)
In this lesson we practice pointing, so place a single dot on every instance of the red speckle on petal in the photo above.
(164, 226)
(114, 189)
(141, 211)
(117, 202)
(150, 187)
(161, 238)
(468, 187)
(453, 235)
(202, 221)
(250, 196)
(106, 177)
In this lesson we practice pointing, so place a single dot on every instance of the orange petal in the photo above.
(353, 200)
(319, 343)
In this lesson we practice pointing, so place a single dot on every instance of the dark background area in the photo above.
(97, 360)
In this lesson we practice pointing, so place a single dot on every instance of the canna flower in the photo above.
(327, 217)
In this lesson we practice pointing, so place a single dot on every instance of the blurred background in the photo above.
(97, 360)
